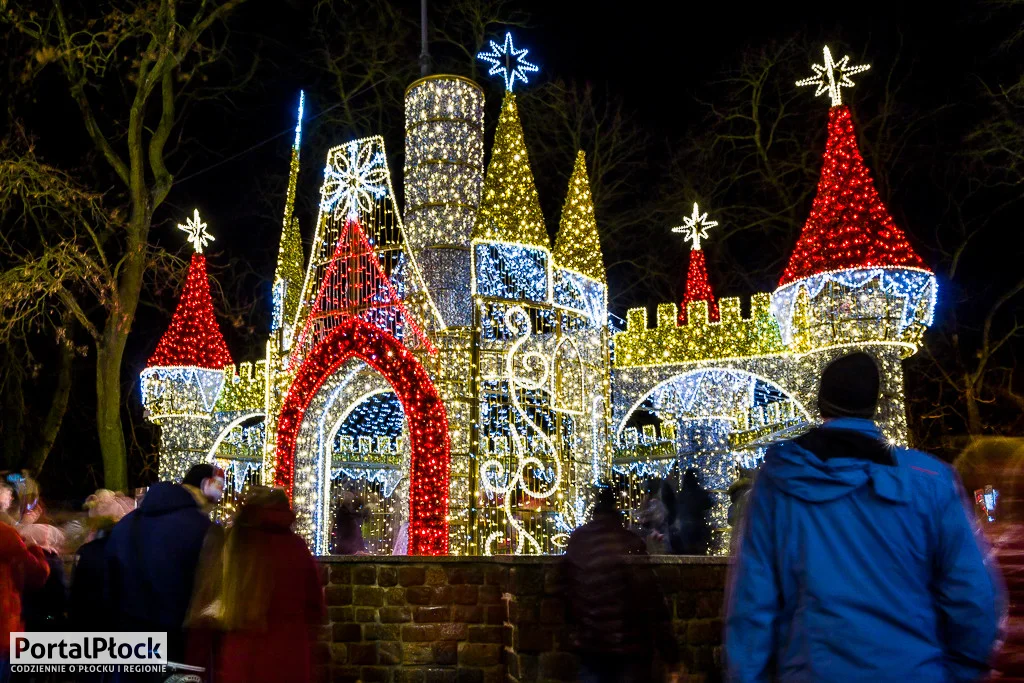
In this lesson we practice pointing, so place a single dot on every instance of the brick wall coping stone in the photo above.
(512, 559)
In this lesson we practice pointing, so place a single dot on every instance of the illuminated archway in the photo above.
(424, 412)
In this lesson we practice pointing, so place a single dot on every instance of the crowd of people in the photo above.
(675, 523)
(855, 560)
(240, 604)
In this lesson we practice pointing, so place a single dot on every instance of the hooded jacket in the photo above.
(282, 651)
(859, 563)
(152, 555)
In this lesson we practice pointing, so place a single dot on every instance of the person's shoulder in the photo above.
(928, 476)
(924, 465)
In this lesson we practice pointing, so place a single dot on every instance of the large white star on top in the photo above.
(832, 76)
(509, 62)
(695, 227)
(196, 230)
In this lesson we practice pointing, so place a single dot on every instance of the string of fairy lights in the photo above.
(458, 371)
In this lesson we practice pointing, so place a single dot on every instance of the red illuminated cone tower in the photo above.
(698, 288)
(849, 226)
(853, 282)
(193, 338)
(184, 376)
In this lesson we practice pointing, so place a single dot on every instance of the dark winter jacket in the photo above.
(45, 608)
(151, 560)
(347, 534)
(691, 533)
(87, 609)
(862, 566)
(616, 606)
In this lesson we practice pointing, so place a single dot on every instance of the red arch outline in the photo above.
(424, 414)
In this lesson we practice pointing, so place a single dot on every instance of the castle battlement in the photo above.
(699, 338)
(244, 387)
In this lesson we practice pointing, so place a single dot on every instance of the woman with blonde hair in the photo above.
(266, 596)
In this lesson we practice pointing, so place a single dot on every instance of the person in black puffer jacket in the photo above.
(618, 614)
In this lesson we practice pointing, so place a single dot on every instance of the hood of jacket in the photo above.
(270, 517)
(164, 497)
(840, 470)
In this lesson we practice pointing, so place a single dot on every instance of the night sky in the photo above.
(659, 56)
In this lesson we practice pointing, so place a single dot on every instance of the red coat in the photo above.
(283, 652)
(20, 568)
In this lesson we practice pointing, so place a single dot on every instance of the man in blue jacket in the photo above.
(858, 560)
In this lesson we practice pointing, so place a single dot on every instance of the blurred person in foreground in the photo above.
(858, 560)
(21, 567)
(263, 591)
(87, 609)
(44, 608)
(152, 554)
(206, 483)
(655, 516)
(998, 462)
(617, 611)
(691, 531)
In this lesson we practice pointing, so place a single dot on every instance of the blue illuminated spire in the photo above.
(509, 62)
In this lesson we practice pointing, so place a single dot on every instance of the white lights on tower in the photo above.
(354, 180)
(831, 76)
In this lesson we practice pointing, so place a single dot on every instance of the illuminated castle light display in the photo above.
(457, 370)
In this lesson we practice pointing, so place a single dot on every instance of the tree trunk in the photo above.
(48, 431)
(13, 418)
(974, 426)
(108, 418)
(110, 353)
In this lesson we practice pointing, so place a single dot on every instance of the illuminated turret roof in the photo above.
(849, 225)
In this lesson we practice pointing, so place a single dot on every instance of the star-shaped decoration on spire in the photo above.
(509, 62)
(695, 227)
(831, 76)
(196, 230)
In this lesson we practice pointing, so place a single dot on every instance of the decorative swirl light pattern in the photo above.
(529, 371)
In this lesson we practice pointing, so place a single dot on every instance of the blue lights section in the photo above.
(511, 271)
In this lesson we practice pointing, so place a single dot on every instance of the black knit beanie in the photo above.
(849, 387)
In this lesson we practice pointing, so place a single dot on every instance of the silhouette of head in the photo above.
(605, 501)
(849, 387)
(208, 479)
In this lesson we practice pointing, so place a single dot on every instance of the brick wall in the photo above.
(485, 620)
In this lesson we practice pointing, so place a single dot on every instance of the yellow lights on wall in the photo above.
(699, 340)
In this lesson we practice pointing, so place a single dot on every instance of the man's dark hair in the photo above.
(196, 475)
(849, 387)
(605, 501)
